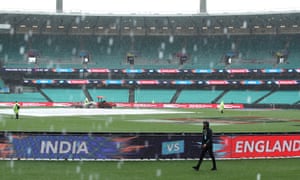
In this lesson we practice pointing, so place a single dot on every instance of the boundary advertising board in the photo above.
(127, 105)
(107, 146)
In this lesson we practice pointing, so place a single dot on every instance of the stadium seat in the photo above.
(282, 97)
(198, 96)
(243, 96)
(23, 97)
(151, 52)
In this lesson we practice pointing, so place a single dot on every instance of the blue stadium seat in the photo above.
(198, 96)
(110, 95)
(150, 51)
(23, 97)
(282, 97)
(243, 96)
(154, 95)
(65, 95)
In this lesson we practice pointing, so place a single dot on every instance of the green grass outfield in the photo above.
(231, 121)
(271, 169)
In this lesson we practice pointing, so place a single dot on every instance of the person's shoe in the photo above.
(195, 168)
(213, 169)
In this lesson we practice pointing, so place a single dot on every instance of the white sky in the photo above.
(151, 6)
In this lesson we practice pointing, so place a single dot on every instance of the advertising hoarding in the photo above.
(106, 146)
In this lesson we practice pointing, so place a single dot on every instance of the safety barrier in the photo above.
(133, 146)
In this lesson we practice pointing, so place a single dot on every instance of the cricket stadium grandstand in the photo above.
(85, 83)
(254, 64)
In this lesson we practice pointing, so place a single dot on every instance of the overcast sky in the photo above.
(151, 6)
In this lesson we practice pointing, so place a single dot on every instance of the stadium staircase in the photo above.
(131, 95)
(218, 98)
(87, 94)
(64, 94)
(44, 95)
(282, 97)
(297, 102)
(263, 97)
(243, 96)
(176, 95)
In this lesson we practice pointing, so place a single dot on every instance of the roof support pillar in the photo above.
(59, 6)
(203, 6)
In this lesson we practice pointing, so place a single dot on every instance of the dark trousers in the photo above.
(208, 149)
(17, 115)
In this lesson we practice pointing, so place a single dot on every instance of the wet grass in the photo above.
(191, 121)
(230, 121)
(267, 169)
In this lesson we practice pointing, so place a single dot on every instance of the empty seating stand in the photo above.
(154, 52)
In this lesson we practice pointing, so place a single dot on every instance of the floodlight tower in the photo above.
(203, 6)
(59, 6)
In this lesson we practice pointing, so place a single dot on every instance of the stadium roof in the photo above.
(111, 24)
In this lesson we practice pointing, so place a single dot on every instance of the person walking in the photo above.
(16, 109)
(207, 146)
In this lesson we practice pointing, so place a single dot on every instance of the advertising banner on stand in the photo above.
(107, 146)
(261, 146)
(93, 146)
